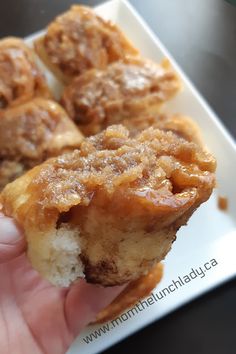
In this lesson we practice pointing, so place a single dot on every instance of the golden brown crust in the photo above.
(79, 40)
(179, 124)
(128, 89)
(134, 292)
(132, 193)
(20, 78)
(32, 132)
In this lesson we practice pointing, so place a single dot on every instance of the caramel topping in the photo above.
(156, 169)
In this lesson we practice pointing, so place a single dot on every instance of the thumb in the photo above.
(12, 242)
(84, 301)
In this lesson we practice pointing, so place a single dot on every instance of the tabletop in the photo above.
(201, 36)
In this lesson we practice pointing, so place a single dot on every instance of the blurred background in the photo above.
(201, 36)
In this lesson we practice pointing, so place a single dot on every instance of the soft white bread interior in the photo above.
(56, 255)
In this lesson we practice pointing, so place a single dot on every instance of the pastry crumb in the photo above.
(223, 203)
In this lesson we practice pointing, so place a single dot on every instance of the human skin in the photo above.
(36, 317)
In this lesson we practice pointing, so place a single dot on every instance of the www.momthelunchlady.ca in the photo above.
(154, 297)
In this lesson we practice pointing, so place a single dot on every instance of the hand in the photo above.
(36, 317)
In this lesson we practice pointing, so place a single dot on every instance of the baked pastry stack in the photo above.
(133, 88)
(32, 126)
(32, 132)
(20, 78)
(106, 207)
(79, 40)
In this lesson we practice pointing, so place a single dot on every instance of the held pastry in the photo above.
(110, 210)
(31, 133)
(79, 40)
(132, 88)
(20, 78)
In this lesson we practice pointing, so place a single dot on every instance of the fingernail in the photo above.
(9, 232)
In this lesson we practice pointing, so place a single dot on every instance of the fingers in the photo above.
(84, 301)
(12, 243)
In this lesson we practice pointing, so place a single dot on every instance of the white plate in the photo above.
(210, 234)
